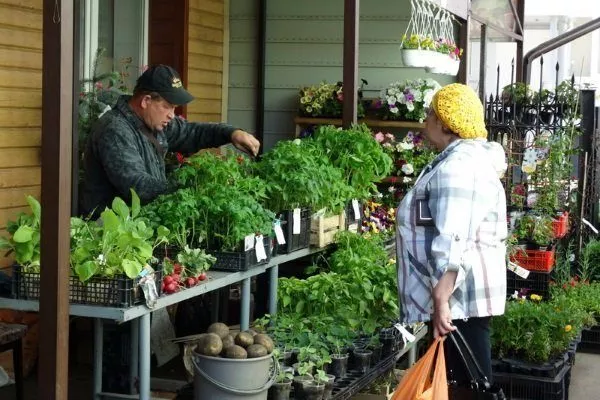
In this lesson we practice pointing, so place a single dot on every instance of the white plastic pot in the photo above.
(416, 57)
(453, 66)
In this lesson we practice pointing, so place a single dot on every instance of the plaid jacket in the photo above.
(468, 208)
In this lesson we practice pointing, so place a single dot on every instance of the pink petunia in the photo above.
(379, 137)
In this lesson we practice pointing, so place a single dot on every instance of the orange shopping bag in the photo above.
(418, 384)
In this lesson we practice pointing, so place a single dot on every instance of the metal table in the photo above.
(140, 317)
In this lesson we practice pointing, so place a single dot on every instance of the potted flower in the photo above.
(326, 100)
(417, 50)
(520, 95)
(448, 59)
(407, 100)
(567, 98)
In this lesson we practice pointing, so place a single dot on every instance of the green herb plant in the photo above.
(24, 240)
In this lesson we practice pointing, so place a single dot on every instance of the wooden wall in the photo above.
(207, 58)
(20, 106)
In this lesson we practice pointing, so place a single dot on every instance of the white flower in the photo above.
(427, 97)
(410, 106)
(408, 169)
(391, 100)
(406, 146)
(391, 189)
(406, 179)
(515, 295)
(297, 142)
(394, 109)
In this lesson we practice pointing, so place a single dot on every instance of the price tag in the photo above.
(406, 335)
(248, 242)
(517, 269)
(279, 232)
(260, 249)
(356, 209)
(296, 222)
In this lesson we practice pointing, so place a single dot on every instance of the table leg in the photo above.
(18, 368)
(273, 280)
(144, 356)
(245, 305)
(98, 351)
(135, 355)
(412, 354)
(214, 303)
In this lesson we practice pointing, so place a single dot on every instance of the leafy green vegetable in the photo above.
(25, 237)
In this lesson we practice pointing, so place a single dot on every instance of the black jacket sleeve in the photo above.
(189, 137)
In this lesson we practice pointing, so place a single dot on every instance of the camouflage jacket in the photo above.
(123, 153)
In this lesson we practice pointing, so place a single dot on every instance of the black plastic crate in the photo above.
(548, 369)
(536, 283)
(523, 387)
(590, 340)
(298, 241)
(119, 291)
(241, 260)
(350, 217)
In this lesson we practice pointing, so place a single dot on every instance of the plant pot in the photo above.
(452, 67)
(286, 358)
(388, 343)
(339, 365)
(280, 390)
(417, 58)
(376, 350)
(313, 390)
(546, 117)
(362, 360)
(439, 63)
(294, 356)
(298, 384)
(328, 387)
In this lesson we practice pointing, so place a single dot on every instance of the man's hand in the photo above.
(245, 142)
(442, 318)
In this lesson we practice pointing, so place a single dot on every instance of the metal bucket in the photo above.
(233, 379)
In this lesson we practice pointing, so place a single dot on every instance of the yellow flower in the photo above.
(536, 297)
(392, 261)
(568, 328)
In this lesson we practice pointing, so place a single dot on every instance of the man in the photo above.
(127, 146)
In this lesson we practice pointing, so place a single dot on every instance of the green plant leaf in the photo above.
(131, 268)
(135, 204)
(23, 234)
(35, 206)
(110, 221)
(119, 206)
(86, 270)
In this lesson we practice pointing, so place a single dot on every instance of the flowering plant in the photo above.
(410, 156)
(449, 47)
(407, 100)
(414, 42)
(379, 219)
(326, 100)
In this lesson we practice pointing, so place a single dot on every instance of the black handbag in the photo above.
(481, 388)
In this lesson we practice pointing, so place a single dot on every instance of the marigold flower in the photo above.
(568, 328)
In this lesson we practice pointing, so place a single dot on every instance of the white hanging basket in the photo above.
(416, 57)
(439, 63)
(453, 66)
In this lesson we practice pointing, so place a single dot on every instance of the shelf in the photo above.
(373, 123)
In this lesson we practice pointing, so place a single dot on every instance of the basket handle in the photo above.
(232, 390)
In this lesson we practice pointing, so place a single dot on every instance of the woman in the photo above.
(451, 229)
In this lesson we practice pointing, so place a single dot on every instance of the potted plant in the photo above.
(544, 100)
(407, 100)
(567, 98)
(327, 380)
(304, 377)
(417, 50)
(518, 96)
(283, 384)
(326, 100)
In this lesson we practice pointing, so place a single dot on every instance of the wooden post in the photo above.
(57, 124)
(351, 22)
(464, 37)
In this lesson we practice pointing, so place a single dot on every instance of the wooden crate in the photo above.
(323, 229)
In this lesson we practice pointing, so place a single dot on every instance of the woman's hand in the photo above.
(442, 320)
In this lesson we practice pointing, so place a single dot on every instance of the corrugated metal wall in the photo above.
(20, 106)
(304, 47)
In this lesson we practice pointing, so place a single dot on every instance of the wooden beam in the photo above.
(521, 17)
(351, 22)
(464, 38)
(57, 121)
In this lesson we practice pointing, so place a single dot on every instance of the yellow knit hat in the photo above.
(460, 110)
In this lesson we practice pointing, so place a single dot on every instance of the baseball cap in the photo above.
(165, 81)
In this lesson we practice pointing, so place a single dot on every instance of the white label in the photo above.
(260, 249)
(279, 233)
(296, 222)
(406, 335)
(356, 209)
(517, 269)
(248, 242)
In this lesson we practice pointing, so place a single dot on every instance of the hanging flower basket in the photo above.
(417, 58)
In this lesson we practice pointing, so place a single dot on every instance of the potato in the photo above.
(252, 332)
(266, 341)
(209, 344)
(236, 351)
(244, 339)
(219, 328)
(228, 341)
(256, 350)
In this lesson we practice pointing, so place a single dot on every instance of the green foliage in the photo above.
(589, 261)
(361, 159)
(193, 262)
(299, 175)
(121, 243)
(518, 92)
(24, 241)
(326, 100)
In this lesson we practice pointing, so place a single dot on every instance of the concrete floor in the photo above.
(585, 377)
